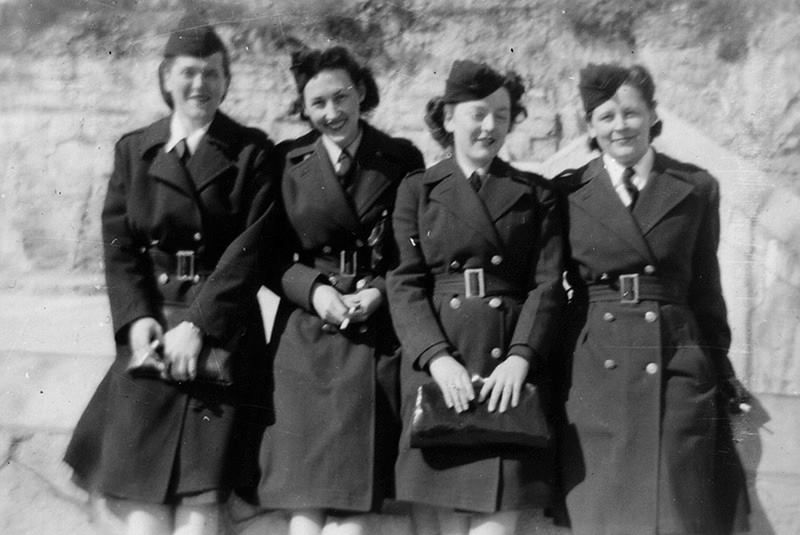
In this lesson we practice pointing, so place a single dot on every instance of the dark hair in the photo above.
(435, 110)
(166, 64)
(307, 63)
(638, 78)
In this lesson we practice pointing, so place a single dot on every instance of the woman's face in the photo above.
(479, 127)
(332, 103)
(622, 124)
(197, 86)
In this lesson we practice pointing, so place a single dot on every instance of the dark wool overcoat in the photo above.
(146, 439)
(334, 438)
(647, 446)
(511, 229)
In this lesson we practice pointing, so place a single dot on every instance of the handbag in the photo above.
(434, 424)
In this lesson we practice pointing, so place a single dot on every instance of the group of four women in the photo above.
(368, 250)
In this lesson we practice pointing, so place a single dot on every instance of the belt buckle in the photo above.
(474, 283)
(629, 288)
(184, 265)
(348, 266)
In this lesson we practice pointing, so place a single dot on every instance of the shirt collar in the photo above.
(468, 169)
(334, 150)
(177, 132)
(642, 168)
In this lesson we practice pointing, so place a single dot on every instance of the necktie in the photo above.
(182, 151)
(475, 181)
(343, 164)
(627, 181)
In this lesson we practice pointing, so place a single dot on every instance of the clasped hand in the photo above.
(341, 309)
(181, 346)
(502, 388)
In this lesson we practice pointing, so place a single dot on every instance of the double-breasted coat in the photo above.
(646, 444)
(335, 433)
(146, 439)
(510, 229)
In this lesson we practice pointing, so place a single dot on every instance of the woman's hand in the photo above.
(182, 345)
(505, 383)
(328, 304)
(454, 382)
(142, 333)
(362, 304)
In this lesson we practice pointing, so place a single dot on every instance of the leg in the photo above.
(306, 522)
(501, 523)
(197, 520)
(351, 525)
(134, 518)
(424, 520)
(452, 523)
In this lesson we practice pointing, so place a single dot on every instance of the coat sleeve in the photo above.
(409, 284)
(251, 260)
(413, 161)
(128, 268)
(705, 288)
(541, 313)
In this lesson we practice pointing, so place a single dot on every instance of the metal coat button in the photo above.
(359, 243)
(163, 278)
(197, 236)
(649, 269)
(496, 260)
(142, 249)
(610, 364)
(455, 265)
(650, 316)
(333, 280)
(604, 277)
(330, 329)
(608, 316)
(363, 328)
(496, 353)
(455, 303)
(327, 249)
(495, 302)
(651, 368)
(361, 284)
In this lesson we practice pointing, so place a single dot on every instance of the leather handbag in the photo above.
(434, 424)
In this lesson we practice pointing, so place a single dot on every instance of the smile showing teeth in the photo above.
(336, 125)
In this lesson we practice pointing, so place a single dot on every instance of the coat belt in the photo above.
(633, 288)
(474, 283)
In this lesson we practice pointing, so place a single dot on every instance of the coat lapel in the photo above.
(663, 192)
(370, 179)
(455, 195)
(314, 177)
(502, 190)
(598, 199)
(211, 160)
(165, 167)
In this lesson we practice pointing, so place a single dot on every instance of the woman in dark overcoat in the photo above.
(473, 211)
(647, 445)
(157, 449)
(330, 453)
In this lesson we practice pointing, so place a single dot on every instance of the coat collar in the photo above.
(309, 165)
(211, 159)
(665, 189)
(504, 186)
(598, 198)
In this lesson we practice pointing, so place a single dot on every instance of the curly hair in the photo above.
(435, 110)
(307, 63)
(639, 78)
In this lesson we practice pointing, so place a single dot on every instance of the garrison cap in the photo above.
(193, 36)
(469, 80)
(598, 83)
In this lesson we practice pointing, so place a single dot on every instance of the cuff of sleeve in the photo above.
(524, 351)
(436, 350)
(297, 283)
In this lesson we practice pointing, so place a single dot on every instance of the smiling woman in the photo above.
(329, 456)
